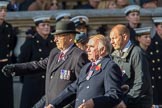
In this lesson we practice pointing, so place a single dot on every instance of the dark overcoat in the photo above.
(73, 61)
(34, 48)
(155, 58)
(7, 44)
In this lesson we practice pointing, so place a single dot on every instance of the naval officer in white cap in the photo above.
(143, 37)
(81, 23)
(155, 52)
(63, 16)
(35, 48)
(132, 13)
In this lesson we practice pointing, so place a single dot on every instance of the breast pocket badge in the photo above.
(65, 74)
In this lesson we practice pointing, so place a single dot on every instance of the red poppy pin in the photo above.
(98, 67)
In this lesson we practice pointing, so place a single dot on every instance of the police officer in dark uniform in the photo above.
(62, 65)
(36, 47)
(155, 53)
(7, 45)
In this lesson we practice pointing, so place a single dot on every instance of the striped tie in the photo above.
(91, 71)
(61, 56)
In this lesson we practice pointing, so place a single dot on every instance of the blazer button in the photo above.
(8, 45)
(157, 51)
(83, 100)
(43, 76)
(153, 69)
(153, 61)
(51, 76)
(151, 53)
(153, 78)
(87, 87)
(9, 35)
(153, 86)
(40, 50)
(156, 43)
(7, 55)
(159, 77)
(158, 60)
(158, 68)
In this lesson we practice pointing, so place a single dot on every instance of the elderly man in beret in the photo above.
(62, 66)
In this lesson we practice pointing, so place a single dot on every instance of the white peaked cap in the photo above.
(76, 19)
(143, 30)
(41, 18)
(131, 8)
(157, 19)
(3, 3)
(62, 15)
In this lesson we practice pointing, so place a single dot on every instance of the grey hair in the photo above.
(102, 42)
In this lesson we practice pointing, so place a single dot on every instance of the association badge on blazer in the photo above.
(64, 27)
(65, 74)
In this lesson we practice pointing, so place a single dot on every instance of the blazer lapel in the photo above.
(54, 61)
(103, 64)
(85, 73)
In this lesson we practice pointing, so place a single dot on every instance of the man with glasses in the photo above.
(62, 66)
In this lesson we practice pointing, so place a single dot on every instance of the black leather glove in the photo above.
(8, 70)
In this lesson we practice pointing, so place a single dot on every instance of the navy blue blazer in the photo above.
(104, 86)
